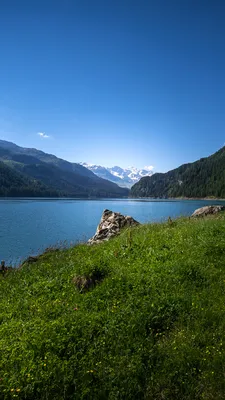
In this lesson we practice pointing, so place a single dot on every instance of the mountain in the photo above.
(124, 177)
(12, 183)
(202, 178)
(54, 174)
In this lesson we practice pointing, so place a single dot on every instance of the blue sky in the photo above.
(114, 82)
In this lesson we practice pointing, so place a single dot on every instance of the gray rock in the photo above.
(110, 225)
(207, 210)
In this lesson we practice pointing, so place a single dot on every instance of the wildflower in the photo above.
(12, 390)
(44, 365)
(18, 390)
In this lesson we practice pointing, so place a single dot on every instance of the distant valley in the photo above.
(124, 177)
(30, 172)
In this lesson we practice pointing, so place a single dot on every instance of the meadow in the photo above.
(141, 316)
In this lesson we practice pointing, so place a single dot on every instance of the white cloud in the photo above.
(43, 135)
(149, 168)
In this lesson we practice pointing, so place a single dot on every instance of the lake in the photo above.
(27, 227)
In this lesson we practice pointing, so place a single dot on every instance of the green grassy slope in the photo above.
(153, 328)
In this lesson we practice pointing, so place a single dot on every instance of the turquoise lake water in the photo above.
(27, 227)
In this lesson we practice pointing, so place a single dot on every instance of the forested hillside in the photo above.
(13, 183)
(57, 176)
(203, 178)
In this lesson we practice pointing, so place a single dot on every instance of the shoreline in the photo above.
(115, 198)
(144, 210)
(181, 198)
(157, 292)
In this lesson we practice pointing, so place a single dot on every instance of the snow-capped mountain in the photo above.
(124, 177)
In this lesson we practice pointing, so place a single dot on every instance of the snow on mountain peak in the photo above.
(149, 168)
(124, 177)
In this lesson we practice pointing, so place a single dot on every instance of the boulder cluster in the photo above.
(110, 225)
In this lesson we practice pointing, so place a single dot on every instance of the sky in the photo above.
(114, 82)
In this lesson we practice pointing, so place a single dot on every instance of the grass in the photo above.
(151, 325)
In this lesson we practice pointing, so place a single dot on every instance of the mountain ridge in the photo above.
(13, 183)
(200, 179)
(124, 177)
(60, 176)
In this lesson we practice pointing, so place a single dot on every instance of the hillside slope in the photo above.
(13, 184)
(68, 179)
(152, 328)
(203, 178)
